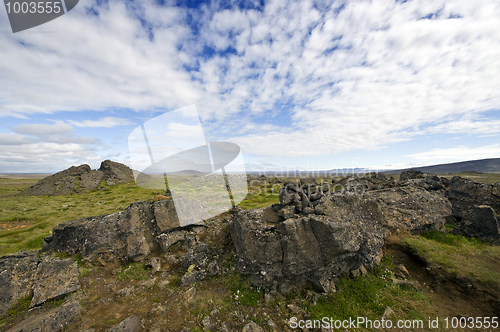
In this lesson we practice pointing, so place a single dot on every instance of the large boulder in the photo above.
(17, 275)
(338, 234)
(412, 209)
(479, 221)
(309, 250)
(139, 231)
(116, 172)
(464, 194)
(129, 235)
(410, 174)
(54, 278)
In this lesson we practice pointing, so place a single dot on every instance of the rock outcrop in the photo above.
(464, 194)
(54, 320)
(479, 221)
(54, 278)
(255, 180)
(139, 231)
(308, 240)
(312, 249)
(17, 275)
(410, 174)
(412, 209)
(124, 236)
(80, 178)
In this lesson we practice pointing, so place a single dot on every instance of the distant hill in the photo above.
(482, 166)
(188, 173)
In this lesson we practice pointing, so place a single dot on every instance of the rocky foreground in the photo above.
(316, 234)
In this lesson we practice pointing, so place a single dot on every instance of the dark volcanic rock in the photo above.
(54, 320)
(140, 230)
(411, 174)
(412, 209)
(116, 172)
(17, 274)
(54, 278)
(80, 178)
(334, 235)
(464, 194)
(122, 236)
(310, 249)
(62, 183)
(479, 221)
(91, 179)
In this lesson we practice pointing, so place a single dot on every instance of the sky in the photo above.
(296, 84)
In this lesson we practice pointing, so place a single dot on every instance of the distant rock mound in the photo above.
(80, 178)
(411, 174)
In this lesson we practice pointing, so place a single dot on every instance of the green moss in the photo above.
(133, 271)
(62, 255)
(242, 291)
(367, 296)
(450, 239)
(17, 309)
(458, 255)
(47, 211)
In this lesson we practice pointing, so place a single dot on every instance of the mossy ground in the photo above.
(26, 220)
(458, 255)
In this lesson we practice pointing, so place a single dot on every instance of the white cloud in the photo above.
(40, 129)
(106, 122)
(44, 157)
(459, 153)
(14, 139)
(303, 81)
(54, 133)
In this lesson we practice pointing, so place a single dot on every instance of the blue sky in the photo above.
(296, 84)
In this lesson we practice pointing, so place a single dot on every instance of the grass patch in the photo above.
(84, 271)
(133, 271)
(450, 239)
(17, 309)
(458, 255)
(367, 296)
(47, 211)
(261, 197)
(113, 321)
(242, 291)
(62, 255)
(487, 178)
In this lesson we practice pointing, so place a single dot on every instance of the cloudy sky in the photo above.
(297, 84)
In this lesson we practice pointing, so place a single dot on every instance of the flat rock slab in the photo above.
(17, 274)
(131, 324)
(252, 327)
(54, 320)
(54, 278)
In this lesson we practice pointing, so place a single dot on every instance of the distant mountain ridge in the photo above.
(491, 165)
